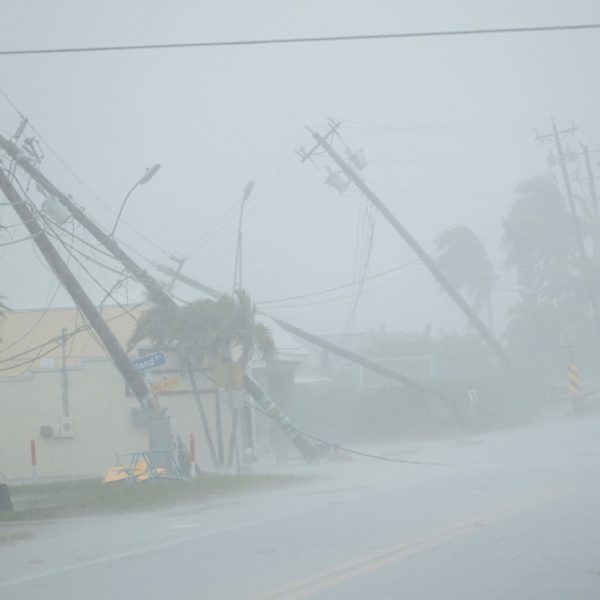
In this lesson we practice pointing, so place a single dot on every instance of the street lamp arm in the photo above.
(112, 233)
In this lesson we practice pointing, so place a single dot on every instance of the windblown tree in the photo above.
(463, 259)
(223, 330)
(540, 244)
(206, 329)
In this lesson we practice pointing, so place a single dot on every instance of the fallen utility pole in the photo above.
(118, 355)
(358, 359)
(318, 341)
(157, 292)
(429, 262)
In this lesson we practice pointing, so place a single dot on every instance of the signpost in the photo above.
(568, 335)
(150, 361)
(165, 385)
(568, 339)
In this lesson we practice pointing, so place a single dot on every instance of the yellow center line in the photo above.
(311, 585)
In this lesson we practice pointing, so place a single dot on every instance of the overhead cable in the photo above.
(300, 40)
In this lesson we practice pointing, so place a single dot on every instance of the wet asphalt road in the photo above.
(514, 514)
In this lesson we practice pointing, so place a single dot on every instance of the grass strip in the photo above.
(86, 497)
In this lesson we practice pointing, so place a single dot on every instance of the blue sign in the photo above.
(150, 361)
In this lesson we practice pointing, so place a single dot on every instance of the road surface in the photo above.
(510, 515)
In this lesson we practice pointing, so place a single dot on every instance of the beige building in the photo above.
(77, 413)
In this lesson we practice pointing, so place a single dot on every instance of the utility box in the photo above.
(65, 428)
(47, 431)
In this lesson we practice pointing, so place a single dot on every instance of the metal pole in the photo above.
(65, 374)
(237, 269)
(112, 233)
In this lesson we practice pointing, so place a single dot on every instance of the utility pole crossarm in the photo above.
(585, 266)
(109, 243)
(418, 250)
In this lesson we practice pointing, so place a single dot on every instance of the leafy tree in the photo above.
(541, 245)
(463, 259)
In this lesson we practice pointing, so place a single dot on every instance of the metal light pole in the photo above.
(145, 178)
(237, 269)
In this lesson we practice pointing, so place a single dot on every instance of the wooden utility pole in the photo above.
(141, 275)
(591, 183)
(585, 264)
(373, 366)
(118, 355)
(157, 293)
(431, 264)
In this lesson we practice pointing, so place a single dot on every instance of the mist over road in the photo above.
(512, 514)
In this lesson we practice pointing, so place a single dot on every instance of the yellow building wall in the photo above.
(101, 414)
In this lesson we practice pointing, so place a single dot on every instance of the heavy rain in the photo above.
(299, 300)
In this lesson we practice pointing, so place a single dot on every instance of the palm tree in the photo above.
(463, 259)
(207, 335)
(206, 329)
(215, 330)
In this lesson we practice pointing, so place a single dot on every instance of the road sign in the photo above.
(165, 385)
(573, 379)
(568, 335)
(150, 361)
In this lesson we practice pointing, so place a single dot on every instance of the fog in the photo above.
(304, 319)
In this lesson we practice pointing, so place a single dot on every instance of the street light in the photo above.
(145, 178)
(237, 269)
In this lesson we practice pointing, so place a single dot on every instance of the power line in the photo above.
(300, 40)
(30, 361)
(338, 287)
(70, 251)
(456, 154)
(74, 333)
(346, 297)
(80, 180)
(13, 242)
(334, 446)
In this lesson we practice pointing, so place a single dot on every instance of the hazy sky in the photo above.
(446, 124)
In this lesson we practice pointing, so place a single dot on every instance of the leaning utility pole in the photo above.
(157, 292)
(591, 183)
(373, 366)
(432, 266)
(585, 265)
(106, 240)
(119, 357)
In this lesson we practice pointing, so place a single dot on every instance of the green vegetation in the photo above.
(87, 497)
(206, 328)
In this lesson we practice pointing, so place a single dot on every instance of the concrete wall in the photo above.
(101, 414)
